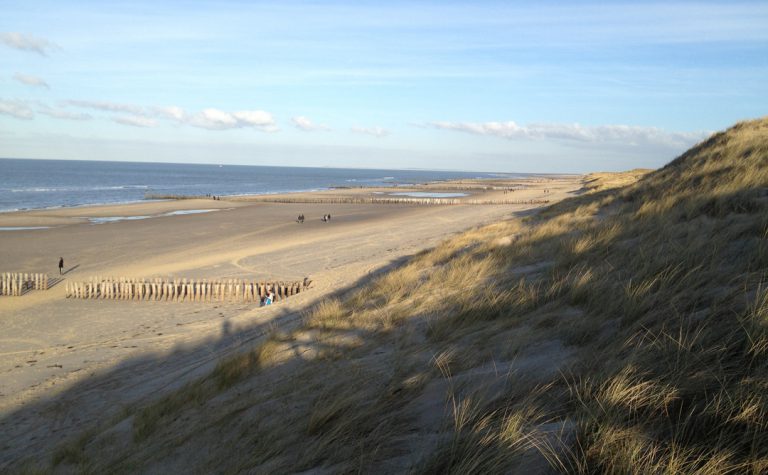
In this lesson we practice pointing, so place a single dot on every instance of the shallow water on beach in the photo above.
(115, 219)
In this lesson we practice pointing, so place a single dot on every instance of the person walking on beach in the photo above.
(61, 265)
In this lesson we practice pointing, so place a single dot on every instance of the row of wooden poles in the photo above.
(180, 290)
(408, 201)
(13, 283)
(369, 200)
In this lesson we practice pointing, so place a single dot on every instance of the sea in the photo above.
(36, 184)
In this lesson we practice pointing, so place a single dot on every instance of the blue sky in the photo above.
(487, 86)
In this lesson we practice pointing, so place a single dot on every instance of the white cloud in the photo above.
(171, 112)
(137, 116)
(375, 131)
(307, 125)
(61, 113)
(24, 42)
(135, 121)
(31, 80)
(215, 119)
(626, 134)
(17, 109)
(26, 110)
(110, 107)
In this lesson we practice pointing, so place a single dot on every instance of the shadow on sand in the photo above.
(30, 435)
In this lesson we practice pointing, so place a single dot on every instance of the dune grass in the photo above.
(621, 331)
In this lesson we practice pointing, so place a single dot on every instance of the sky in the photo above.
(498, 86)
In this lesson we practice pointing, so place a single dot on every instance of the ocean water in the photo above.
(34, 184)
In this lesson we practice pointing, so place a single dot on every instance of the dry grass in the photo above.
(658, 290)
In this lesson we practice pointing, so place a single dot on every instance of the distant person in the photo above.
(268, 298)
(61, 265)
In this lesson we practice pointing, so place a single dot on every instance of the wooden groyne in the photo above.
(395, 201)
(388, 200)
(17, 283)
(181, 290)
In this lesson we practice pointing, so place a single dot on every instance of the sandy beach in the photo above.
(121, 352)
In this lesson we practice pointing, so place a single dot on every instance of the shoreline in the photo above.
(482, 191)
(448, 183)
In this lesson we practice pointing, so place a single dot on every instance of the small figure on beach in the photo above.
(301, 218)
(61, 265)
(268, 299)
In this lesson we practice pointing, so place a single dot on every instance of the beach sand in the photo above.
(66, 362)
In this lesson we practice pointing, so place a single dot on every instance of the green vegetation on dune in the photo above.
(621, 331)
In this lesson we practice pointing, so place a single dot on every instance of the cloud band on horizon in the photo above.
(626, 134)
